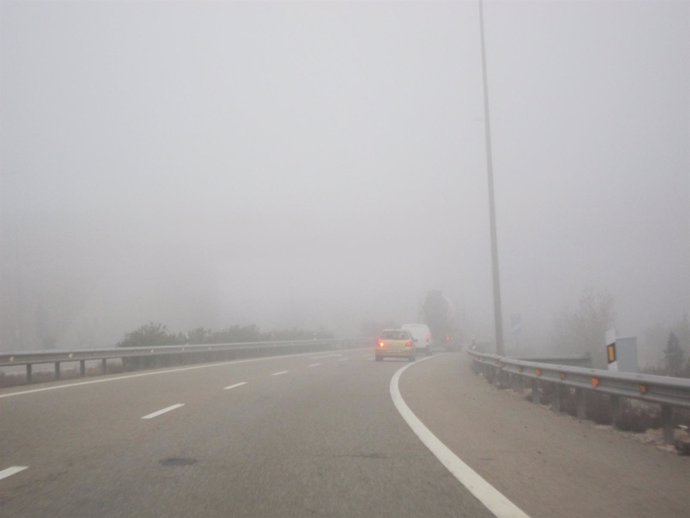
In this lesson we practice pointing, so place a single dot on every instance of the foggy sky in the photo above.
(319, 164)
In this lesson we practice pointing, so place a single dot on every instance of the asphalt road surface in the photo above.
(313, 435)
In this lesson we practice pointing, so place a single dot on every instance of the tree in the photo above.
(148, 335)
(199, 335)
(156, 334)
(674, 355)
(682, 330)
(236, 333)
(584, 329)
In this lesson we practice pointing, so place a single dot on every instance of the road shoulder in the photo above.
(547, 464)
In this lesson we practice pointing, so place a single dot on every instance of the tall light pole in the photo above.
(498, 312)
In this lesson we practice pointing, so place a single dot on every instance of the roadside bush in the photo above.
(155, 334)
(151, 335)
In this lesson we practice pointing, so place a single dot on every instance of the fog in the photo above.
(320, 165)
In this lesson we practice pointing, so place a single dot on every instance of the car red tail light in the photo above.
(408, 343)
(380, 343)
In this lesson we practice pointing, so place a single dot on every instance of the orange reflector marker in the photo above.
(595, 382)
(643, 388)
(562, 375)
(521, 369)
(538, 372)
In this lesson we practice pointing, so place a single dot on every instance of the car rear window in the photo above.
(396, 335)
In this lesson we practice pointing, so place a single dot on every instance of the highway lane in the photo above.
(92, 408)
(547, 464)
(315, 440)
(314, 435)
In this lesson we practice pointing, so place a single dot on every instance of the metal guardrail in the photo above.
(159, 356)
(576, 361)
(669, 392)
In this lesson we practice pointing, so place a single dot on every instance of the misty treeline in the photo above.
(156, 334)
(372, 328)
(582, 330)
(674, 341)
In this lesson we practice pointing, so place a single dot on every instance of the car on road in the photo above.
(421, 336)
(395, 343)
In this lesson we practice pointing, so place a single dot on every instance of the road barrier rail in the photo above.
(166, 355)
(668, 392)
(574, 361)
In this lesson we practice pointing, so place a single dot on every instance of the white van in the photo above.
(421, 336)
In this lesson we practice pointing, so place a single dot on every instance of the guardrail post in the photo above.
(498, 374)
(580, 404)
(616, 411)
(82, 368)
(57, 370)
(518, 384)
(28, 372)
(503, 379)
(557, 403)
(667, 423)
(104, 365)
(535, 392)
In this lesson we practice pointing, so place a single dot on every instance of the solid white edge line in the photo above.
(155, 373)
(314, 364)
(13, 470)
(230, 387)
(488, 495)
(162, 411)
(279, 373)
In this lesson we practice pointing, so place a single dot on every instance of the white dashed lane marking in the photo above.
(13, 470)
(230, 387)
(163, 411)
